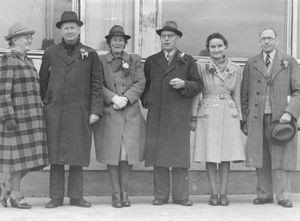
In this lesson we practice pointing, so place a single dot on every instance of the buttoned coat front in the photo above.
(121, 128)
(169, 109)
(71, 89)
(284, 82)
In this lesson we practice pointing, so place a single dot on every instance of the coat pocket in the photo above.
(232, 108)
(203, 110)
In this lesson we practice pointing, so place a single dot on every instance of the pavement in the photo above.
(240, 209)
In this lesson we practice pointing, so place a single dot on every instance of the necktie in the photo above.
(268, 61)
(168, 56)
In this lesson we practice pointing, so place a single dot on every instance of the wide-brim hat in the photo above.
(170, 26)
(278, 133)
(68, 16)
(18, 29)
(117, 30)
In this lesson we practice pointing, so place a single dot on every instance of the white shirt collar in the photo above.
(170, 53)
(272, 54)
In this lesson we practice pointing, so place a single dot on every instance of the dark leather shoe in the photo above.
(116, 200)
(214, 200)
(53, 203)
(19, 203)
(259, 201)
(4, 194)
(183, 202)
(224, 201)
(158, 202)
(285, 203)
(125, 200)
(80, 202)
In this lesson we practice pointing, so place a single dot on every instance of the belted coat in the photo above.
(284, 82)
(169, 109)
(71, 89)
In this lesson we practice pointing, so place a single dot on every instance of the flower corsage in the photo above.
(125, 67)
(284, 63)
(84, 53)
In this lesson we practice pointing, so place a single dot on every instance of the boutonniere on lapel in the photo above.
(181, 58)
(227, 73)
(84, 53)
(211, 68)
(284, 63)
(125, 67)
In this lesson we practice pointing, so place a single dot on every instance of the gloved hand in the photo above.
(93, 118)
(244, 127)
(193, 123)
(11, 124)
(119, 102)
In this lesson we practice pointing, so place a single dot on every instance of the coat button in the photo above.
(257, 93)
(255, 117)
(256, 105)
(258, 81)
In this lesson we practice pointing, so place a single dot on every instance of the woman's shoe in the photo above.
(224, 201)
(20, 203)
(116, 200)
(4, 194)
(214, 200)
(125, 200)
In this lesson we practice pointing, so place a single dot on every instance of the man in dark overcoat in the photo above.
(71, 90)
(172, 79)
(270, 92)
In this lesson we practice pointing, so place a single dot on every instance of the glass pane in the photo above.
(240, 22)
(100, 16)
(40, 15)
(298, 34)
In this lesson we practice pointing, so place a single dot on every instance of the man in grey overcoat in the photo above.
(270, 92)
(172, 79)
(72, 93)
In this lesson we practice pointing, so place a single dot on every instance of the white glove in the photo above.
(93, 118)
(119, 102)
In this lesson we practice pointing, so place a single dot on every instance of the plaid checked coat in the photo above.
(25, 147)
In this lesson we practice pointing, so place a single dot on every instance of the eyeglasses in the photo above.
(267, 38)
(28, 37)
(169, 36)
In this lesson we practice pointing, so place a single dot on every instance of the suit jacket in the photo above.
(71, 89)
(169, 109)
(284, 81)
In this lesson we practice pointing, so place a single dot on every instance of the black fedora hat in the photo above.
(68, 16)
(170, 26)
(280, 133)
(117, 30)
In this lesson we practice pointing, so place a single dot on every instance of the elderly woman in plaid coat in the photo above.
(22, 128)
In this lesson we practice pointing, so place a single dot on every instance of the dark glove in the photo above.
(11, 124)
(193, 123)
(244, 127)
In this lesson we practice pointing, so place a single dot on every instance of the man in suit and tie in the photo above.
(172, 79)
(269, 79)
(71, 90)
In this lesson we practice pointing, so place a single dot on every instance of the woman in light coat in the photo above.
(23, 145)
(217, 113)
(120, 134)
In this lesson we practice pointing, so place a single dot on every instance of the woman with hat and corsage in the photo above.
(217, 114)
(120, 134)
(23, 145)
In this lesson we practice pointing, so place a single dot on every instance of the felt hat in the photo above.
(278, 133)
(170, 26)
(117, 30)
(18, 29)
(68, 16)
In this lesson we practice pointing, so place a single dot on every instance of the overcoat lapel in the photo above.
(259, 64)
(62, 54)
(173, 64)
(161, 61)
(76, 55)
(277, 65)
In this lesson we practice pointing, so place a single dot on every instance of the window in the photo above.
(239, 21)
(40, 15)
